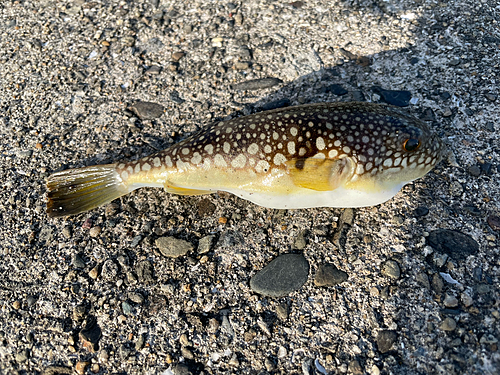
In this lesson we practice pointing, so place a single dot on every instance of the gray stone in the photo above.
(284, 275)
(109, 269)
(257, 84)
(147, 110)
(329, 275)
(448, 324)
(145, 271)
(77, 261)
(180, 369)
(172, 247)
(300, 241)
(391, 269)
(450, 301)
(454, 243)
(205, 244)
(385, 340)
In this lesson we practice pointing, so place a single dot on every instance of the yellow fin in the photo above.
(183, 191)
(320, 174)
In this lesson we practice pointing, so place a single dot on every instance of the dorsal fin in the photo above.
(320, 174)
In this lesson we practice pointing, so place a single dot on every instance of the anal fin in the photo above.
(320, 174)
(183, 191)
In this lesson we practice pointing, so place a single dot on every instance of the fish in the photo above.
(342, 154)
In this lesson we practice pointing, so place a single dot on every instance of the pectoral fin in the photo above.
(183, 191)
(321, 174)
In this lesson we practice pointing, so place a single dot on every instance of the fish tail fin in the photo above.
(78, 190)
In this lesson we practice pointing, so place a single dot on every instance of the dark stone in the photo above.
(445, 95)
(472, 210)
(358, 96)
(452, 242)
(414, 60)
(494, 222)
(276, 104)
(486, 168)
(335, 89)
(385, 340)
(180, 369)
(474, 170)
(284, 275)
(145, 271)
(205, 207)
(421, 211)
(489, 126)
(257, 84)
(147, 110)
(90, 334)
(175, 97)
(329, 275)
(429, 115)
(398, 98)
(477, 274)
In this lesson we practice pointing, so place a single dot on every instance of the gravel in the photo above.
(85, 83)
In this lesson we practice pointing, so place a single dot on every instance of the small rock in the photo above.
(394, 97)
(242, 65)
(147, 110)
(448, 324)
(145, 271)
(275, 104)
(423, 279)
(421, 211)
(109, 269)
(474, 170)
(127, 308)
(172, 247)
(176, 56)
(385, 340)
(22, 356)
(94, 272)
(282, 276)
(300, 241)
(234, 361)
(437, 283)
(467, 300)
(180, 369)
(205, 244)
(391, 268)
(57, 370)
(494, 222)
(329, 275)
(257, 84)
(355, 367)
(490, 96)
(154, 70)
(446, 112)
(81, 367)
(77, 261)
(450, 301)
(486, 168)
(136, 298)
(139, 344)
(90, 334)
(16, 305)
(187, 353)
(282, 311)
(335, 89)
(454, 243)
(66, 232)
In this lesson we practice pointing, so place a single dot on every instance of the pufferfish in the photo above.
(315, 155)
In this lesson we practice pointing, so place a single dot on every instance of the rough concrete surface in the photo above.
(93, 294)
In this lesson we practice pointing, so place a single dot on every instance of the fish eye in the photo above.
(411, 144)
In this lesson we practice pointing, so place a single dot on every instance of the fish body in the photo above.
(315, 155)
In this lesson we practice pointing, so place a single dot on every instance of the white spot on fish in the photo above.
(291, 148)
(209, 149)
(253, 149)
(156, 162)
(239, 161)
(227, 147)
(320, 143)
(262, 166)
(219, 161)
(332, 154)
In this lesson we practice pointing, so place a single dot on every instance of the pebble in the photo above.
(450, 301)
(242, 65)
(449, 324)
(275, 104)
(398, 98)
(144, 271)
(486, 168)
(391, 269)
(22, 356)
(489, 126)
(329, 275)
(437, 283)
(282, 311)
(467, 300)
(355, 368)
(90, 334)
(423, 279)
(176, 56)
(81, 367)
(77, 261)
(180, 369)
(109, 269)
(334, 89)
(234, 361)
(205, 244)
(153, 70)
(474, 170)
(494, 222)
(284, 275)
(490, 96)
(139, 344)
(136, 298)
(385, 340)
(446, 112)
(16, 305)
(94, 272)
(127, 308)
(257, 84)
(67, 232)
(147, 110)
(452, 242)
(172, 247)
(300, 242)
(421, 211)
(57, 370)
